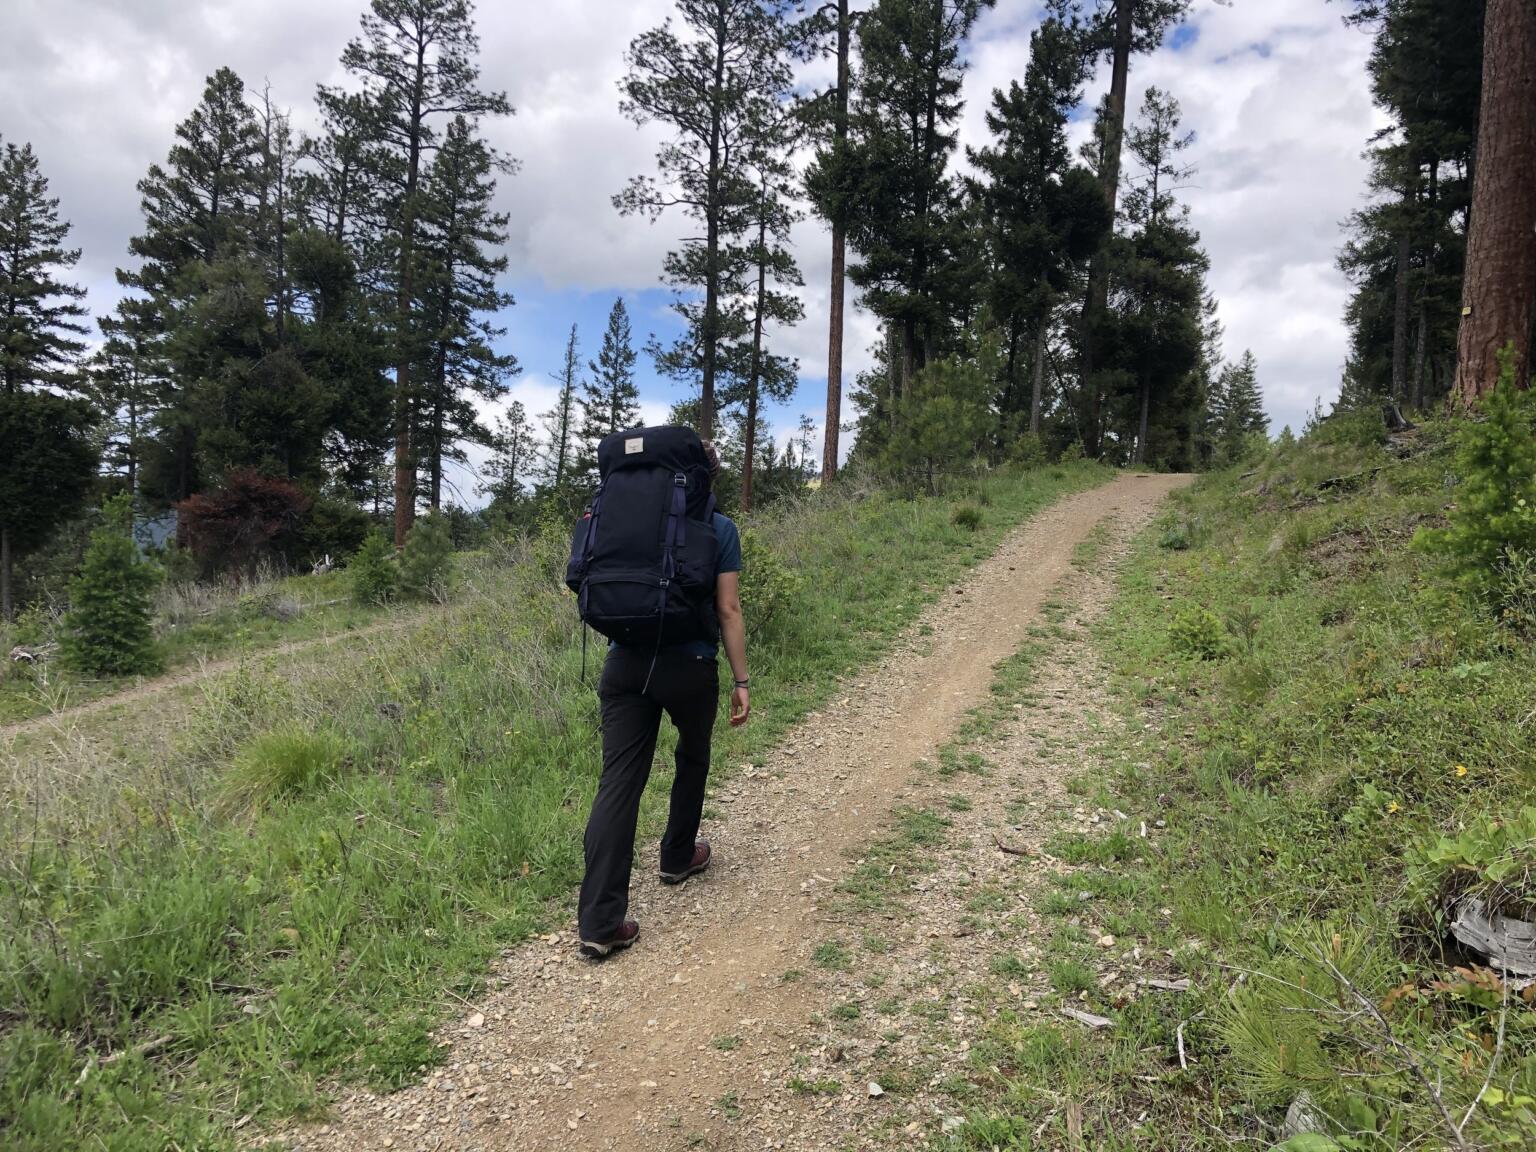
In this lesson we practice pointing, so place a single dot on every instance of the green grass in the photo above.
(1297, 773)
(195, 623)
(285, 886)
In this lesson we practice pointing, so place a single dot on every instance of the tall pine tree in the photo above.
(713, 85)
(416, 61)
(609, 400)
(560, 422)
(47, 461)
(913, 243)
(460, 295)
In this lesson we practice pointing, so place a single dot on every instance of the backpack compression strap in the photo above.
(677, 534)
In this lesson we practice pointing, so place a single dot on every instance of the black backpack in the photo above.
(643, 556)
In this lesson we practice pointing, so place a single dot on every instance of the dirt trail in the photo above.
(192, 675)
(637, 1052)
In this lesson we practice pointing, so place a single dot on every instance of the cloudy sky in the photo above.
(1275, 91)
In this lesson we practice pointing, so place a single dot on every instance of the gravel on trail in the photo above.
(695, 1037)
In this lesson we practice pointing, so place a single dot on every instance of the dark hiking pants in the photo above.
(686, 687)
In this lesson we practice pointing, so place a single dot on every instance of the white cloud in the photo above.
(98, 85)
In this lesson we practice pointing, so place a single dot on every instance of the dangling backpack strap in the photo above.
(677, 535)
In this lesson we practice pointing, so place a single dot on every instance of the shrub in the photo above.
(374, 572)
(1027, 450)
(233, 527)
(426, 562)
(280, 763)
(332, 528)
(107, 631)
(1494, 517)
(768, 587)
(1196, 632)
(967, 516)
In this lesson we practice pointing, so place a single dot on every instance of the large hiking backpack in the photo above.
(643, 556)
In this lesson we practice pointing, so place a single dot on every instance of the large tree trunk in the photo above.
(1109, 178)
(1400, 323)
(1038, 389)
(1499, 287)
(712, 214)
(1416, 373)
(7, 607)
(829, 451)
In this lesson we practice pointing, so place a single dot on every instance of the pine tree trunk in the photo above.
(1499, 286)
(1141, 435)
(829, 452)
(1109, 178)
(1037, 391)
(1416, 376)
(405, 465)
(750, 438)
(1400, 323)
(7, 607)
(712, 212)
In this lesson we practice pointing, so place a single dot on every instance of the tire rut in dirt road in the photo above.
(636, 1052)
(194, 674)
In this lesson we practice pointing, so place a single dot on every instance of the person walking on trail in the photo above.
(657, 570)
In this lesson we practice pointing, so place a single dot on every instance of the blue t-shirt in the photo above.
(727, 559)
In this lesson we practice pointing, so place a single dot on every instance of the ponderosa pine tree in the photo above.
(459, 231)
(416, 61)
(47, 462)
(609, 400)
(714, 86)
(1044, 215)
(831, 32)
(1499, 290)
(1119, 30)
(560, 421)
(915, 248)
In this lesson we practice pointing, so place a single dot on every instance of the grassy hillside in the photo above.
(1329, 738)
(291, 883)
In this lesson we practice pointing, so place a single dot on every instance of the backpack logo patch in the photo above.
(634, 445)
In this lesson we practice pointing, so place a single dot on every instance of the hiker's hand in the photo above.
(741, 706)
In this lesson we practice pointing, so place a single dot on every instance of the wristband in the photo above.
(743, 683)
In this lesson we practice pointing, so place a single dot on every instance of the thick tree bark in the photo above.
(7, 607)
(1416, 373)
(1400, 323)
(1038, 389)
(1109, 178)
(830, 447)
(1499, 287)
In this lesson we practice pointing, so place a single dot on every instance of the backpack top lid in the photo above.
(671, 446)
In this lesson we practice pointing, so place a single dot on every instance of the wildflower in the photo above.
(1392, 807)
(1461, 769)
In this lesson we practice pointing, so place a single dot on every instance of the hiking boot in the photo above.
(699, 862)
(627, 934)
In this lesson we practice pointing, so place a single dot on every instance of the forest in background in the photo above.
(309, 327)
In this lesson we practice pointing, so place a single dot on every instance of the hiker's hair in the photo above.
(713, 456)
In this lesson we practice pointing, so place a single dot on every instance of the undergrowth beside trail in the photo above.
(1330, 740)
(193, 940)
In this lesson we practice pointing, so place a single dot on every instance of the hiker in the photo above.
(657, 570)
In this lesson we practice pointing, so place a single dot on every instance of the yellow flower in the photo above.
(1392, 807)
(1461, 769)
